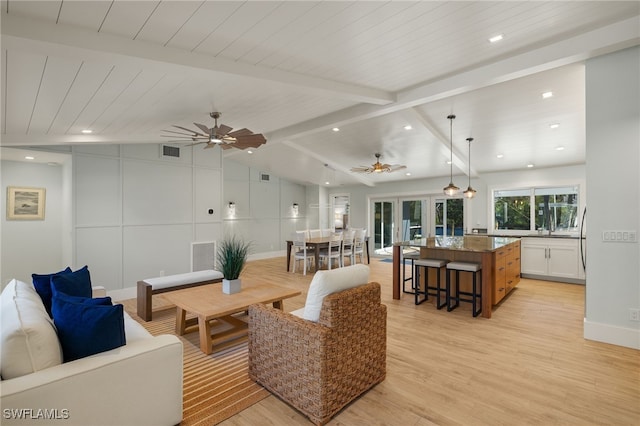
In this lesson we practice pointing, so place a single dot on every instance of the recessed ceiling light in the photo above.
(327, 183)
(560, 148)
(28, 157)
(500, 156)
(547, 95)
(249, 152)
(448, 162)
(554, 125)
(408, 127)
(530, 165)
(87, 131)
(408, 174)
(336, 129)
(496, 38)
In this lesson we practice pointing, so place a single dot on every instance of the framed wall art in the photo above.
(25, 203)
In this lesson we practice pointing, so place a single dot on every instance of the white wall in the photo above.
(35, 246)
(137, 212)
(613, 186)
(263, 210)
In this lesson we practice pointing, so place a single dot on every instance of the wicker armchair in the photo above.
(319, 368)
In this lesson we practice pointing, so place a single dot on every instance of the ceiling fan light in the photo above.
(215, 139)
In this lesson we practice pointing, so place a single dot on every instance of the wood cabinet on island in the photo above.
(499, 257)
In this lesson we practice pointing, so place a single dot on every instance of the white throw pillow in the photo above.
(29, 341)
(333, 281)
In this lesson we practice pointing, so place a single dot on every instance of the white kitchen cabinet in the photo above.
(553, 258)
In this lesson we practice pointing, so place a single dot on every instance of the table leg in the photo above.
(396, 272)
(289, 244)
(366, 245)
(278, 304)
(181, 316)
(205, 335)
(317, 254)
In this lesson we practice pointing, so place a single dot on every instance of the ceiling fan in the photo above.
(378, 167)
(217, 135)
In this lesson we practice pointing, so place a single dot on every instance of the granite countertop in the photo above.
(479, 243)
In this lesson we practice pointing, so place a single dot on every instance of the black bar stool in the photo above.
(413, 257)
(437, 264)
(476, 292)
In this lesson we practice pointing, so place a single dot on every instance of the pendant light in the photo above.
(451, 189)
(470, 192)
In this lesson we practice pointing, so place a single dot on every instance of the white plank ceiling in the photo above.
(293, 70)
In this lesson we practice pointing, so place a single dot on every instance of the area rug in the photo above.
(216, 386)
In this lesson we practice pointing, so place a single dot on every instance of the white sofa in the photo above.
(136, 384)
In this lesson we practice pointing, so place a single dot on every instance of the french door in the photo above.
(408, 218)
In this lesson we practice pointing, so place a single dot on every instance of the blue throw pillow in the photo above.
(106, 301)
(76, 283)
(42, 284)
(85, 328)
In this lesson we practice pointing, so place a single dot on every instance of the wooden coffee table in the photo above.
(210, 305)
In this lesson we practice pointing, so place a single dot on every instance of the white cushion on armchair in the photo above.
(332, 281)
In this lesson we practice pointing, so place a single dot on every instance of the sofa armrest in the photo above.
(137, 384)
(98, 291)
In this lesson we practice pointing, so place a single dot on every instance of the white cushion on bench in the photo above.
(180, 279)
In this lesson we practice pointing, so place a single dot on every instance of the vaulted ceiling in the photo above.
(294, 70)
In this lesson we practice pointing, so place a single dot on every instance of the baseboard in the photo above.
(606, 333)
(267, 255)
(555, 279)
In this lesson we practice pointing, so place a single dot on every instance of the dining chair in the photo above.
(347, 246)
(301, 252)
(315, 233)
(358, 245)
(333, 251)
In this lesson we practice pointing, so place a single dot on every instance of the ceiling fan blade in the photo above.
(190, 131)
(228, 139)
(178, 133)
(361, 169)
(250, 141)
(210, 145)
(204, 128)
(240, 132)
(395, 167)
(223, 130)
(197, 143)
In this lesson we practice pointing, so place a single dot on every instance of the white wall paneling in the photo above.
(98, 191)
(150, 249)
(100, 248)
(208, 192)
(156, 192)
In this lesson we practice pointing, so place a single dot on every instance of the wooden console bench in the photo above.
(150, 286)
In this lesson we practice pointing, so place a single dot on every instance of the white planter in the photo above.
(231, 286)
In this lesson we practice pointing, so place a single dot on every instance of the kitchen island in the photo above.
(499, 256)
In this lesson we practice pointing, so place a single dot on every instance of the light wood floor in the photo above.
(528, 364)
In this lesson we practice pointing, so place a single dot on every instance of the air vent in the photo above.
(264, 177)
(170, 151)
(203, 255)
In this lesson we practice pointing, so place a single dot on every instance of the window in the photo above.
(512, 209)
(551, 208)
(556, 208)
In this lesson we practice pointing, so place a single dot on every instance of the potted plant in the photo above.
(232, 256)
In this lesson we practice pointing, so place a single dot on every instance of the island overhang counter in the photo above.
(499, 257)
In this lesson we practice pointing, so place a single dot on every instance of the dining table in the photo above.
(316, 244)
